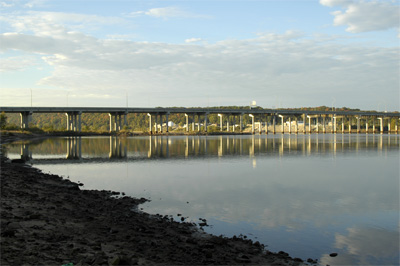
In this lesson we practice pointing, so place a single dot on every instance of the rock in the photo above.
(241, 258)
(333, 254)
(18, 161)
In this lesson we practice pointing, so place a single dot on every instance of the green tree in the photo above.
(3, 120)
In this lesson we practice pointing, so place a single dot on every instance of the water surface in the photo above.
(309, 195)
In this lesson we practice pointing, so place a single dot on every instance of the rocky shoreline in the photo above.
(48, 220)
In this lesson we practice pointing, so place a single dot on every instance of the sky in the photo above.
(149, 53)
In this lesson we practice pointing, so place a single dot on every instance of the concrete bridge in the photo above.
(118, 118)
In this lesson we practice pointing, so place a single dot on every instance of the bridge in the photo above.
(118, 118)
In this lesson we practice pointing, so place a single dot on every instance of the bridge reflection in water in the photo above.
(96, 149)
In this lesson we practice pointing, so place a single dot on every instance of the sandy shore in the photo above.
(48, 220)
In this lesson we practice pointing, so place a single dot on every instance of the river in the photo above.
(308, 195)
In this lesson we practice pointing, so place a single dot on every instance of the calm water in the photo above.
(307, 195)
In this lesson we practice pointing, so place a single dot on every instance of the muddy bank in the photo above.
(48, 220)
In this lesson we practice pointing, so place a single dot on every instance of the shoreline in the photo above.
(48, 220)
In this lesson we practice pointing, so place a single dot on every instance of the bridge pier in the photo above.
(366, 125)
(187, 122)
(26, 117)
(74, 121)
(358, 124)
(282, 124)
(381, 124)
(166, 121)
(350, 124)
(220, 122)
(304, 123)
(373, 125)
(343, 124)
(309, 124)
(252, 124)
(334, 124)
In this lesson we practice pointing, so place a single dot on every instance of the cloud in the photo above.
(17, 63)
(269, 66)
(365, 246)
(166, 12)
(365, 16)
(192, 40)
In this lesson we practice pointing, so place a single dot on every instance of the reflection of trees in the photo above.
(192, 146)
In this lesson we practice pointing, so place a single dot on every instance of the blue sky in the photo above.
(200, 53)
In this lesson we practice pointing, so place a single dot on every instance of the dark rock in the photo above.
(333, 254)
(18, 161)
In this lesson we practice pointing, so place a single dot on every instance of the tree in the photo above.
(3, 120)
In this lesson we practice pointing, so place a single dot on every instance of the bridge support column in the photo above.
(166, 121)
(317, 123)
(234, 123)
(220, 121)
(290, 125)
(241, 123)
(266, 124)
(73, 121)
(227, 124)
(273, 124)
(25, 118)
(252, 124)
(373, 125)
(80, 121)
(349, 124)
(110, 128)
(381, 124)
(282, 125)
(358, 125)
(389, 124)
(334, 124)
(187, 122)
(323, 125)
(342, 124)
(156, 123)
(304, 123)
(297, 125)
(366, 125)
(150, 124)
(309, 124)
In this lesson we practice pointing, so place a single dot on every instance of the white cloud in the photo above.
(16, 63)
(192, 40)
(365, 16)
(167, 12)
(362, 246)
(270, 66)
